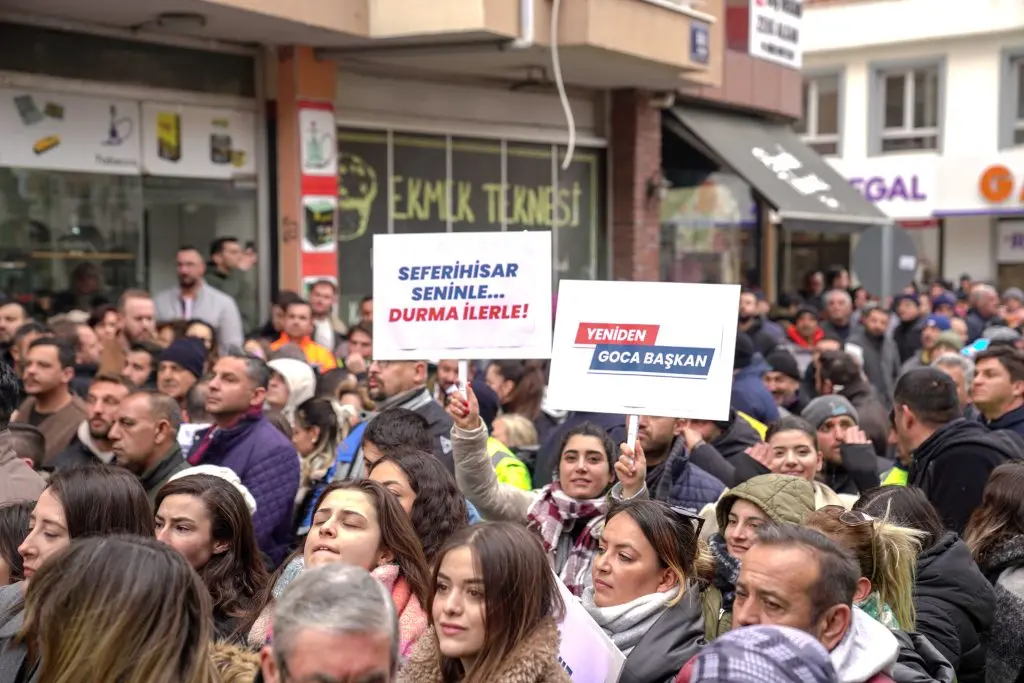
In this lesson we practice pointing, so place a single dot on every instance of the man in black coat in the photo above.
(952, 456)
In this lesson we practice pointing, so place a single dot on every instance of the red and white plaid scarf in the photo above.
(554, 513)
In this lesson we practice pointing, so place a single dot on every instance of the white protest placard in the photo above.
(586, 652)
(644, 348)
(462, 295)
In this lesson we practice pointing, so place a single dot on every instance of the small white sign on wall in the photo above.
(775, 31)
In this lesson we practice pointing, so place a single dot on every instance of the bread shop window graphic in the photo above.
(629, 349)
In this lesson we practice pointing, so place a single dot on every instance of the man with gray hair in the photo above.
(333, 623)
(960, 369)
(144, 439)
(838, 310)
(984, 311)
(242, 440)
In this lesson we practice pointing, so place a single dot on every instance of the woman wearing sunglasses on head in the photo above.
(887, 555)
(646, 592)
(740, 512)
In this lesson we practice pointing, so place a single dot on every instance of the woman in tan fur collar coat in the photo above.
(493, 609)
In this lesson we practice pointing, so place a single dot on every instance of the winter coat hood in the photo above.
(867, 649)
(301, 381)
(785, 499)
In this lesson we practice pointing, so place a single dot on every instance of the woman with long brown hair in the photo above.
(426, 491)
(77, 502)
(125, 609)
(494, 606)
(995, 535)
(359, 522)
(208, 521)
(519, 385)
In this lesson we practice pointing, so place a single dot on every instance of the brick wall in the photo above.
(635, 151)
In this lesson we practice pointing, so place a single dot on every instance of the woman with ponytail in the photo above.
(321, 424)
(887, 555)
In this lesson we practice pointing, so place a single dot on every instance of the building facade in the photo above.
(921, 106)
(305, 128)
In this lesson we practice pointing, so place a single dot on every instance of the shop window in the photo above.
(1011, 123)
(821, 106)
(397, 182)
(910, 101)
(69, 237)
(181, 211)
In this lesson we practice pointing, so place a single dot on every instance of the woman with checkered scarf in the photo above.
(567, 513)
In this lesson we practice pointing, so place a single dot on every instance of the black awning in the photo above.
(807, 193)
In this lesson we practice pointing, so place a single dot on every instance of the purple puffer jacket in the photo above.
(268, 466)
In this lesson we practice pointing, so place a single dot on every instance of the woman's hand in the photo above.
(465, 412)
(631, 469)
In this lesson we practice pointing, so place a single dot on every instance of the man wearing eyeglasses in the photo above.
(334, 624)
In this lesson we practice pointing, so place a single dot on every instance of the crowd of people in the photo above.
(187, 496)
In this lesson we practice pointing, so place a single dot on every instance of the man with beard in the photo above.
(403, 384)
(671, 477)
(12, 316)
(881, 357)
(50, 406)
(193, 299)
(91, 445)
(765, 334)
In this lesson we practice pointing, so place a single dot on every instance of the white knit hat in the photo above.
(224, 473)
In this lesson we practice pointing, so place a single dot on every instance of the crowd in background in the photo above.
(189, 495)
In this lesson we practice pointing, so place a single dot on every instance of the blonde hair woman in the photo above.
(119, 608)
(887, 555)
(514, 430)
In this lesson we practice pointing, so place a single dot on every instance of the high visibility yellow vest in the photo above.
(507, 466)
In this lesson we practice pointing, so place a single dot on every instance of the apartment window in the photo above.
(910, 109)
(820, 125)
(1018, 104)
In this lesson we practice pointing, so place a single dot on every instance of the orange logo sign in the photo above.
(997, 185)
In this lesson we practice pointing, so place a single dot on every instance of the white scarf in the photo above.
(626, 624)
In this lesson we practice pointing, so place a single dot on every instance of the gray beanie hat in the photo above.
(1013, 293)
(824, 407)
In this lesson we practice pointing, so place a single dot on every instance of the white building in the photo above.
(921, 103)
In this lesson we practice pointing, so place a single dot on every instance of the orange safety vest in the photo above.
(316, 355)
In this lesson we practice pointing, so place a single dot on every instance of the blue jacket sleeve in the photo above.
(273, 482)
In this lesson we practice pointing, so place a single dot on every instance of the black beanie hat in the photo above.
(188, 352)
(782, 361)
(744, 351)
